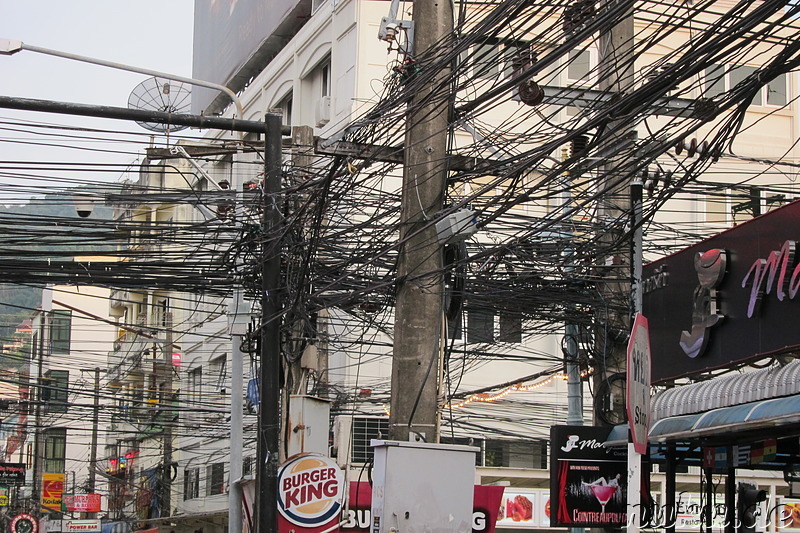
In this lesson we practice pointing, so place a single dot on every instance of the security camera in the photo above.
(84, 204)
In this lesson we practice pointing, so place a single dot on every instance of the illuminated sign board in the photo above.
(727, 300)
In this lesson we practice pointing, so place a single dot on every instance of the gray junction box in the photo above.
(422, 488)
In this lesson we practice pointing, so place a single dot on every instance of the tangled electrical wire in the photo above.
(544, 165)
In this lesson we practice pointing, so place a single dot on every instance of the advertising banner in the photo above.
(356, 517)
(588, 480)
(726, 300)
(87, 503)
(52, 491)
(80, 526)
(13, 473)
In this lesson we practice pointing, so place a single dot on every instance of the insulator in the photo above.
(530, 93)
(578, 145)
(691, 149)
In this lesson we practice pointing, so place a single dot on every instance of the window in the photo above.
(218, 373)
(191, 483)
(580, 65)
(247, 466)
(777, 91)
(480, 326)
(325, 78)
(285, 105)
(196, 385)
(215, 479)
(316, 89)
(510, 328)
(721, 78)
(486, 61)
(60, 330)
(55, 446)
(162, 312)
(55, 389)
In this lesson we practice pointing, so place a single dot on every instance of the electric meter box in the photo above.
(422, 488)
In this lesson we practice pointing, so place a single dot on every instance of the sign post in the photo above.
(637, 400)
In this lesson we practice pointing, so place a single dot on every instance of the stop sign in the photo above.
(637, 390)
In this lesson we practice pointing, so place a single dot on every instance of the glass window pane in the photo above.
(777, 91)
(579, 65)
(480, 325)
(738, 74)
(60, 327)
(486, 61)
(715, 81)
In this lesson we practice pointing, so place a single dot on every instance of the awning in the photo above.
(772, 413)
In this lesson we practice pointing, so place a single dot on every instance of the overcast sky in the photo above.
(154, 34)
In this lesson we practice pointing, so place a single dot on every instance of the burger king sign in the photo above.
(310, 490)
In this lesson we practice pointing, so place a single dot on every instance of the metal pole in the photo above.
(414, 400)
(269, 401)
(237, 329)
(138, 115)
(93, 451)
(168, 418)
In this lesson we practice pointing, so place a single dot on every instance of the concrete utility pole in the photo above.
(616, 77)
(418, 312)
(616, 71)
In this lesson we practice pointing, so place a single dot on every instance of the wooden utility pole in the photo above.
(418, 312)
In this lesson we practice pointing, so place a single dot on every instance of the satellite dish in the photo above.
(159, 94)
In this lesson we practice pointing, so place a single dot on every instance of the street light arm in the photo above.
(9, 47)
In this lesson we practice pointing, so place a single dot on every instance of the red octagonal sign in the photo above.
(638, 384)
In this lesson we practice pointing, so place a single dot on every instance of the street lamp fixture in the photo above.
(9, 47)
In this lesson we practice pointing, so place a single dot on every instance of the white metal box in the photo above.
(422, 488)
(309, 420)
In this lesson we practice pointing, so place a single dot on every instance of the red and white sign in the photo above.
(87, 503)
(80, 526)
(638, 384)
(24, 523)
(310, 490)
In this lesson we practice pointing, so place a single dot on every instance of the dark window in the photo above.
(510, 328)
(55, 447)
(325, 72)
(247, 466)
(60, 328)
(215, 479)
(55, 389)
(191, 483)
(494, 453)
(480, 326)
(196, 385)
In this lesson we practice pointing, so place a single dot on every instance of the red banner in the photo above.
(356, 516)
(87, 503)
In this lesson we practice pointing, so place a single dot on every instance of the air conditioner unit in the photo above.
(352, 436)
(323, 113)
